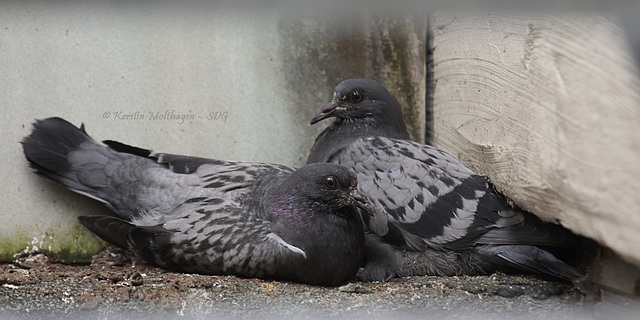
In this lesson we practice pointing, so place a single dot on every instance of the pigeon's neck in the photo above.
(344, 131)
(288, 210)
(379, 126)
(304, 216)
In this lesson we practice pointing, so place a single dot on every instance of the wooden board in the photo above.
(548, 107)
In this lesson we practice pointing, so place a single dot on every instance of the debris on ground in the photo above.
(115, 287)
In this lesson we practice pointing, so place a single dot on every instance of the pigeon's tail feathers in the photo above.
(48, 148)
(109, 229)
(143, 241)
(534, 259)
(49, 145)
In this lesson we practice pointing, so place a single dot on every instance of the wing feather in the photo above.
(201, 237)
(430, 194)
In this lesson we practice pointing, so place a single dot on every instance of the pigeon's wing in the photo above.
(162, 181)
(432, 199)
(207, 236)
(177, 163)
(225, 183)
(188, 164)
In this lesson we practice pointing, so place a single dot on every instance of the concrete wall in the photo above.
(247, 84)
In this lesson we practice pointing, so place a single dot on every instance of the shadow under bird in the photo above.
(207, 216)
(443, 219)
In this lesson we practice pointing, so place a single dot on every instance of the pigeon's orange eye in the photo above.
(357, 96)
(331, 183)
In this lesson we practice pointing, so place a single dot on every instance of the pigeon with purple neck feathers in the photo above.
(207, 216)
(443, 219)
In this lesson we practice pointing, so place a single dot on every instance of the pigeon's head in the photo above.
(363, 101)
(323, 187)
(330, 184)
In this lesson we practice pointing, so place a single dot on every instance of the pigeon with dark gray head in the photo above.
(207, 216)
(443, 219)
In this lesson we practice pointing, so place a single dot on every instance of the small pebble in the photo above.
(355, 288)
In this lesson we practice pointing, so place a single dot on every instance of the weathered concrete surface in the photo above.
(233, 298)
(217, 82)
(548, 106)
(113, 288)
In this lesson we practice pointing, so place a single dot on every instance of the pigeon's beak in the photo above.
(360, 201)
(358, 197)
(326, 112)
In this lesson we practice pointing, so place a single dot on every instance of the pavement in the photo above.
(114, 287)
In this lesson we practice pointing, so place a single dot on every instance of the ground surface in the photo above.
(113, 287)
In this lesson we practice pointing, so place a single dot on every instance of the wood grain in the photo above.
(548, 107)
